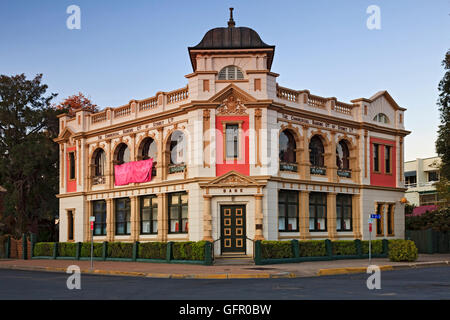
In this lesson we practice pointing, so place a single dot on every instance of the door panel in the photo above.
(233, 228)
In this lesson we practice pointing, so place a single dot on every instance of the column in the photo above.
(330, 162)
(109, 167)
(356, 216)
(87, 223)
(305, 165)
(134, 218)
(163, 224)
(161, 156)
(331, 215)
(110, 228)
(304, 215)
(258, 217)
(207, 218)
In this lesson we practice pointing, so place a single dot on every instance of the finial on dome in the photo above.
(231, 23)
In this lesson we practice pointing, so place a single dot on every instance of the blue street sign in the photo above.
(375, 216)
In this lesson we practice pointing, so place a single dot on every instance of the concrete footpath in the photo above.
(225, 269)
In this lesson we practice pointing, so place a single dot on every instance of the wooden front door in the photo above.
(233, 233)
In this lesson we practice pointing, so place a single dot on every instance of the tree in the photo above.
(76, 102)
(28, 155)
(443, 140)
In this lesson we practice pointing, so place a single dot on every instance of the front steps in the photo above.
(235, 259)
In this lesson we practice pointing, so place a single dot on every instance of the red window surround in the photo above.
(241, 166)
(71, 183)
(382, 178)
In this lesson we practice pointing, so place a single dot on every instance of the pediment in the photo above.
(384, 94)
(64, 135)
(232, 179)
(232, 100)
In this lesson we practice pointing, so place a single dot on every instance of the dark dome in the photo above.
(231, 38)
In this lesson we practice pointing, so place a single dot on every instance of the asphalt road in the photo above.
(424, 283)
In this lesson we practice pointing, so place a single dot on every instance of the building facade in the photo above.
(420, 175)
(236, 158)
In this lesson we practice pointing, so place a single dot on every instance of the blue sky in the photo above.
(132, 49)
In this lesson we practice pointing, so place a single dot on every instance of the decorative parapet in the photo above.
(122, 111)
(178, 95)
(98, 117)
(313, 101)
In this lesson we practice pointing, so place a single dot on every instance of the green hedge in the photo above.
(377, 246)
(189, 250)
(86, 249)
(152, 250)
(402, 250)
(43, 249)
(344, 248)
(120, 250)
(276, 249)
(312, 248)
(67, 249)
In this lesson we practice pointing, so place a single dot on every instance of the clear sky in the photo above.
(132, 49)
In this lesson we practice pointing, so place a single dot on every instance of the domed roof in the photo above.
(231, 37)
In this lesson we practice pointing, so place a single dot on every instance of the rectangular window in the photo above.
(205, 85)
(71, 165)
(123, 216)
(380, 221)
(70, 225)
(149, 214)
(317, 211)
(390, 220)
(99, 212)
(178, 213)
(287, 211)
(344, 212)
(387, 159)
(433, 176)
(376, 157)
(257, 84)
(232, 140)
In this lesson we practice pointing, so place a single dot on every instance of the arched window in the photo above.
(99, 162)
(381, 117)
(122, 154)
(342, 155)
(316, 151)
(177, 148)
(287, 147)
(149, 149)
(231, 73)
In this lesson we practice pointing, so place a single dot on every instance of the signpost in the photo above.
(92, 220)
(371, 219)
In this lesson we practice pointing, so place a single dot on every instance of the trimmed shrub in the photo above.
(402, 250)
(67, 249)
(189, 250)
(377, 246)
(3, 240)
(43, 249)
(312, 248)
(152, 250)
(120, 250)
(86, 249)
(344, 248)
(276, 249)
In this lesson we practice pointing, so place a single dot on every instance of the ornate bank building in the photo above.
(233, 156)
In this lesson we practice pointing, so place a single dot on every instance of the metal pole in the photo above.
(92, 247)
(370, 244)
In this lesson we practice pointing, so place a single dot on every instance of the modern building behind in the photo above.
(420, 175)
(237, 157)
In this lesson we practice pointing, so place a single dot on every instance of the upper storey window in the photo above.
(316, 152)
(381, 117)
(231, 73)
(177, 148)
(123, 154)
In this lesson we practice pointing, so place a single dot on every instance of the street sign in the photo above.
(370, 220)
(370, 227)
(92, 218)
(92, 225)
(375, 216)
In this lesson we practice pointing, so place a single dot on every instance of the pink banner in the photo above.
(136, 171)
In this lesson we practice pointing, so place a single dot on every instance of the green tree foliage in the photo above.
(28, 155)
(438, 220)
(443, 140)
